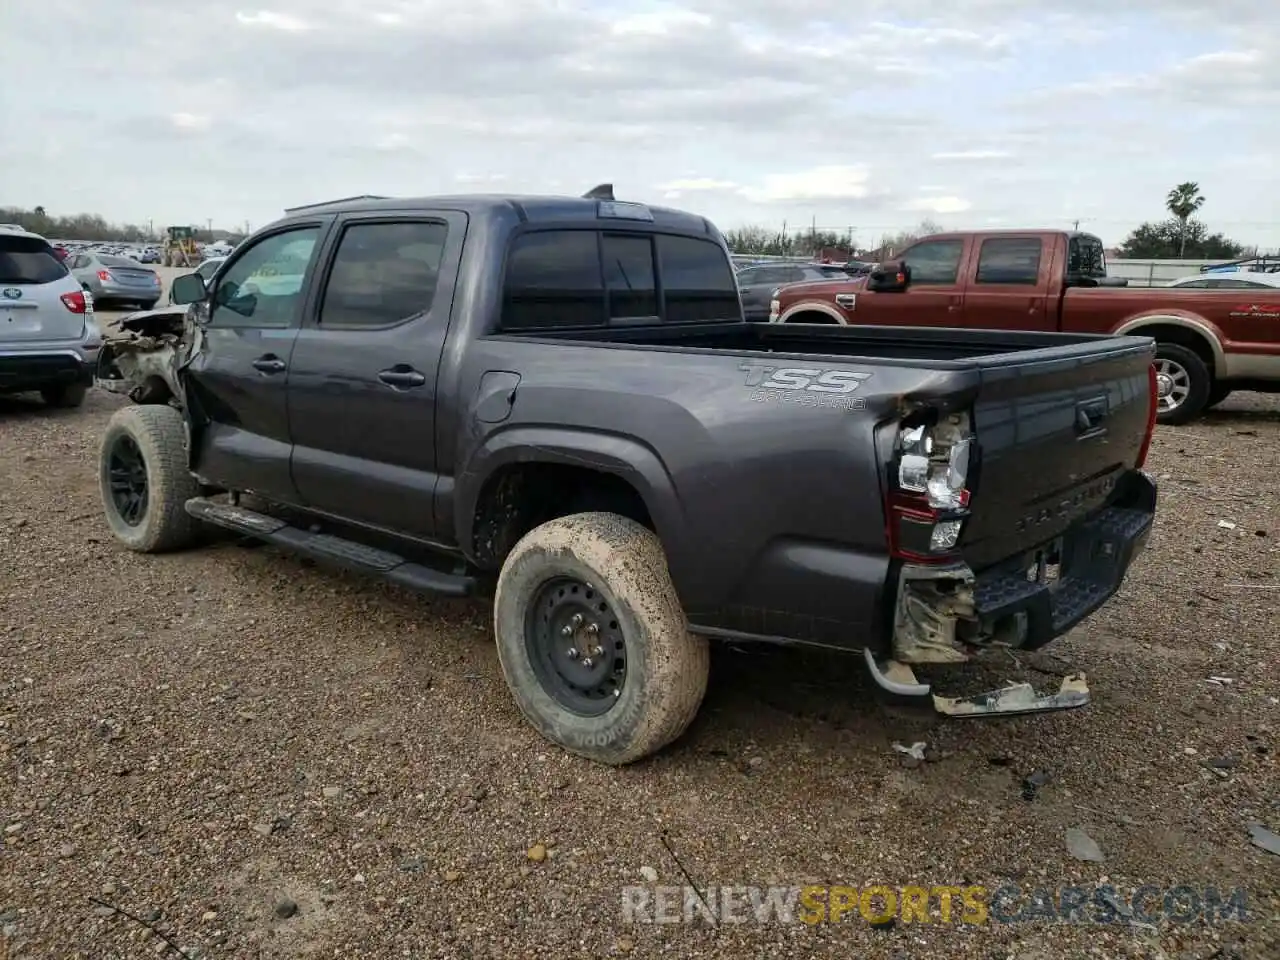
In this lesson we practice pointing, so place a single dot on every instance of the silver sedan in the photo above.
(112, 278)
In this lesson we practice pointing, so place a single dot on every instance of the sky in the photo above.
(863, 115)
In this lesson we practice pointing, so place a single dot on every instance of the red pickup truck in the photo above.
(1210, 340)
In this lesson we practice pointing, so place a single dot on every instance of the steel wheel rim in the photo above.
(576, 646)
(1173, 384)
(127, 480)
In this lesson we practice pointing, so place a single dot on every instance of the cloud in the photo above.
(747, 111)
(190, 121)
(940, 205)
(972, 155)
(272, 21)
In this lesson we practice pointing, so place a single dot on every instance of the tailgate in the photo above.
(1055, 430)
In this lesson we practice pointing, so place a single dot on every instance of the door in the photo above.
(935, 297)
(1009, 287)
(362, 383)
(237, 376)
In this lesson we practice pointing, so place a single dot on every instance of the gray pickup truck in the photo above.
(558, 400)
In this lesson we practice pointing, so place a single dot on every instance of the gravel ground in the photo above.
(199, 738)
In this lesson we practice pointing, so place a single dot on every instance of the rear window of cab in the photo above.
(558, 279)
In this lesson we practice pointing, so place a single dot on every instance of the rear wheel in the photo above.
(65, 395)
(144, 480)
(593, 641)
(1183, 382)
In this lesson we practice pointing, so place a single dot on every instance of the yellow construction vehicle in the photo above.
(180, 248)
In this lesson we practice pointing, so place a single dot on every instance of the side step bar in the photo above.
(899, 680)
(330, 549)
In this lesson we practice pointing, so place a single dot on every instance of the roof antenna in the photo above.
(603, 191)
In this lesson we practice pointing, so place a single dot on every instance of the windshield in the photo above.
(28, 260)
(117, 261)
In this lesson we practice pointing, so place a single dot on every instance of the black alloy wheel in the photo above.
(127, 471)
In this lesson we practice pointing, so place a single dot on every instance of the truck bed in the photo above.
(939, 348)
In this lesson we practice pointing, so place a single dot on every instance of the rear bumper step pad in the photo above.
(899, 680)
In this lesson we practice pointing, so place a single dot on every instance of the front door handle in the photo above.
(269, 364)
(402, 376)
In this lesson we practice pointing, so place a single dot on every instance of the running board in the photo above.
(330, 549)
(898, 679)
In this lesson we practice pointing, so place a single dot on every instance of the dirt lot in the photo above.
(197, 738)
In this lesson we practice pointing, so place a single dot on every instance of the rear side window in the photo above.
(934, 261)
(28, 260)
(697, 280)
(1013, 260)
(553, 279)
(383, 273)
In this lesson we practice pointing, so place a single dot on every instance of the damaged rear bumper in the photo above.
(951, 615)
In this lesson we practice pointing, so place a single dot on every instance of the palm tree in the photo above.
(1182, 201)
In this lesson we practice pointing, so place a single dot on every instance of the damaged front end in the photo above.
(143, 357)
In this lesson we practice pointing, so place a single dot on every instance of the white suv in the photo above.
(49, 340)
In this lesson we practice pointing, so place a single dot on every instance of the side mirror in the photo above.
(891, 277)
(188, 288)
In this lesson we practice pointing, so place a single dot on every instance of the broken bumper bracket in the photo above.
(899, 680)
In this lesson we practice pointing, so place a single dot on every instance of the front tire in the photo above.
(144, 480)
(593, 641)
(1183, 381)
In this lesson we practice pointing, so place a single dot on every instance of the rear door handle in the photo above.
(269, 364)
(402, 376)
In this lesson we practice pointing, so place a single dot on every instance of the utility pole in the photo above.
(1077, 225)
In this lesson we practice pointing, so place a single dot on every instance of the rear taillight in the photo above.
(105, 275)
(75, 302)
(1153, 399)
(928, 498)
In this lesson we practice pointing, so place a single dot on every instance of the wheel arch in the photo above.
(792, 313)
(1195, 334)
(526, 476)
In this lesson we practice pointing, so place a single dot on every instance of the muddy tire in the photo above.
(1183, 382)
(144, 480)
(593, 641)
(65, 395)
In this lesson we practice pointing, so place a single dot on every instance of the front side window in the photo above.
(934, 261)
(383, 273)
(262, 288)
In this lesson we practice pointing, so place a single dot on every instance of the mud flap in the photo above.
(899, 680)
